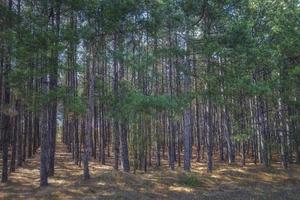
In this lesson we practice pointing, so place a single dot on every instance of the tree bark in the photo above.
(90, 112)
(187, 112)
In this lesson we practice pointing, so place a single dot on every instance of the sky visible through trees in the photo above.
(138, 84)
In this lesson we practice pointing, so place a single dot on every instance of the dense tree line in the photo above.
(145, 81)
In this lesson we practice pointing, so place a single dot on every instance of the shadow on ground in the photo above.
(226, 182)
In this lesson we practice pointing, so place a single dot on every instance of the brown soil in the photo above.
(226, 182)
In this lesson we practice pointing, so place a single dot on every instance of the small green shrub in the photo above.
(190, 180)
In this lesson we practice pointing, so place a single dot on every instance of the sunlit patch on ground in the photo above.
(180, 189)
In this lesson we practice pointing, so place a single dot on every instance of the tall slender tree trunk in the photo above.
(53, 86)
(282, 134)
(102, 141)
(6, 121)
(209, 132)
(263, 131)
(124, 147)
(198, 129)
(90, 112)
(209, 121)
(116, 122)
(44, 156)
(18, 128)
(225, 120)
(14, 146)
(187, 112)
(30, 136)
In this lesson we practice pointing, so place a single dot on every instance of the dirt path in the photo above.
(227, 182)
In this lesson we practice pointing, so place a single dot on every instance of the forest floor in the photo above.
(226, 182)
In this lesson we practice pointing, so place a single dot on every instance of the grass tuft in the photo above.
(190, 179)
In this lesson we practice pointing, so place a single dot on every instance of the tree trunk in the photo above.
(90, 112)
(6, 123)
(14, 146)
(44, 158)
(30, 137)
(282, 135)
(209, 132)
(263, 131)
(124, 148)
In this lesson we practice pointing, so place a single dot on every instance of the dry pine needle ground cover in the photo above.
(226, 182)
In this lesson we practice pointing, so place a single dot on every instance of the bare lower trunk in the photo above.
(282, 135)
(124, 148)
(187, 112)
(187, 137)
(44, 145)
(209, 132)
(89, 115)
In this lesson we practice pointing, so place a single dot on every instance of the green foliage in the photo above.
(190, 180)
(241, 137)
(76, 106)
(237, 49)
(135, 103)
